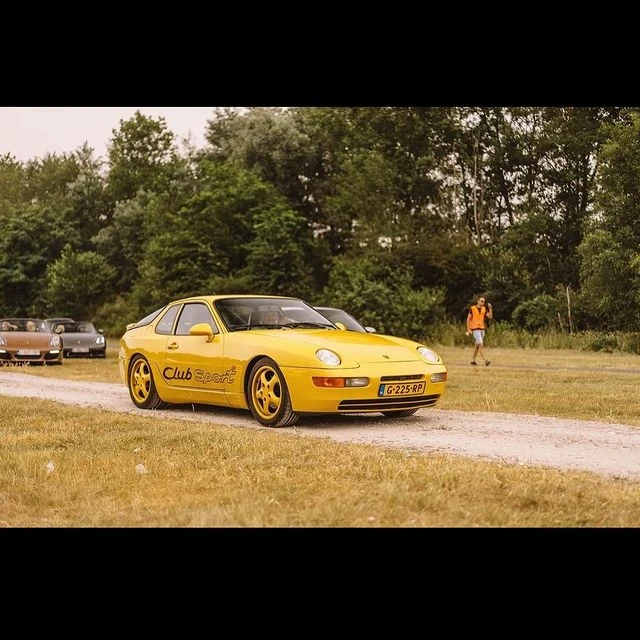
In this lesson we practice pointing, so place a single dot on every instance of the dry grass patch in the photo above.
(69, 467)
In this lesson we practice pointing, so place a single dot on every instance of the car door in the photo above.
(191, 363)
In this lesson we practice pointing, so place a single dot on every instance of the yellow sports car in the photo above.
(275, 356)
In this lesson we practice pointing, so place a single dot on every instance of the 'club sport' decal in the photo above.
(173, 373)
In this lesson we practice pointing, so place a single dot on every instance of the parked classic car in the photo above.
(28, 341)
(275, 356)
(80, 338)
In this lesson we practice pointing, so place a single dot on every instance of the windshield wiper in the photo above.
(263, 325)
(238, 327)
(309, 325)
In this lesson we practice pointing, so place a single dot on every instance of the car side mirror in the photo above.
(340, 326)
(203, 329)
(370, 329)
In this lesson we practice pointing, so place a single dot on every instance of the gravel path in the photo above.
(604, 448)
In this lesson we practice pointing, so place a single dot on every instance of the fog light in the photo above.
(439, 377)
(356, 382)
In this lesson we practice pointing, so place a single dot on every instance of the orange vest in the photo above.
(477, 317)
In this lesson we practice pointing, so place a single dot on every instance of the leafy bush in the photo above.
(114, 316)
(536, 313)
(629, 342)
(381, 296)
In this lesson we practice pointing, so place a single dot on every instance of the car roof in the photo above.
(236, 296)
(242, 295)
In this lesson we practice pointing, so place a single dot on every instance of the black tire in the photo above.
(399, 414)
(142, 388)
(268, 395)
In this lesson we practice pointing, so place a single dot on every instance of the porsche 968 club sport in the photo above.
(276, 357)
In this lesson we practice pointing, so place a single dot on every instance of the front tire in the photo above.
(142, 388)
(268, 395)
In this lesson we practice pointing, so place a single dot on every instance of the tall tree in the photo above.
(13, 189)
(266, 140)
(572, 141)
(78, 282)
(31, 239)
(89, 208)
(610, 258)
(195, 247)
(142, 155)
(276, 257)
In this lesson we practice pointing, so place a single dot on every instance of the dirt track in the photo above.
(603, 448)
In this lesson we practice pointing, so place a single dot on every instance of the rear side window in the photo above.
(147, 319)
(166, 322)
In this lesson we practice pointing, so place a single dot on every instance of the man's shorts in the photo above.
(478, 336)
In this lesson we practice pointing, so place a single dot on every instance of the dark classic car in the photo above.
(79, 338)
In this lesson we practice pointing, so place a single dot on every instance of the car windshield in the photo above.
(84, 327)
(245, 314)
(72, 327)
(23, 324)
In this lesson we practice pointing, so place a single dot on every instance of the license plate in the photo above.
(80, 349)
(28, 352)
(402, 389)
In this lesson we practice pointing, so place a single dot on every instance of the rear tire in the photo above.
(268, 395)
(142, 388)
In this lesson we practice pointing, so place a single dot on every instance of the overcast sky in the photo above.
(30, 132)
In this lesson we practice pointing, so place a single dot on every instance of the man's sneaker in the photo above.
(473, 362)
(487, 363)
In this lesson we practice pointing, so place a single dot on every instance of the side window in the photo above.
(193, 314)
(166, 322)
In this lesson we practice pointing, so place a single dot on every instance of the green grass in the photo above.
(553, 382)
(204, 475)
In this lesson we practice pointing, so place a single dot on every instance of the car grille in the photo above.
(418, 376)
(387, 404)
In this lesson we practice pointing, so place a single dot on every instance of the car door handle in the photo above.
(173, 345)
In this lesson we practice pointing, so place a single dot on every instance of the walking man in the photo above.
(476, 325)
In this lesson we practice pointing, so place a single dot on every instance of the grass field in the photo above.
(63, 466)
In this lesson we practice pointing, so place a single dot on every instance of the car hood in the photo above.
(360, 347)
(26, 339)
